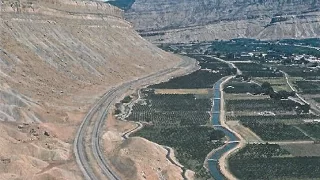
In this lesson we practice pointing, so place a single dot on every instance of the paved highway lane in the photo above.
(97, 116)
(232, 142)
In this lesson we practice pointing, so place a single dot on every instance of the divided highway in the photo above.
(97, 116)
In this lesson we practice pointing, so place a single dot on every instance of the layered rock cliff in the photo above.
(56, 58)
(166, 20)
(52, 49)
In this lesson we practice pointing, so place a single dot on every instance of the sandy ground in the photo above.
(135, 157)
(32, 151)
(56, 59)
(126, 135)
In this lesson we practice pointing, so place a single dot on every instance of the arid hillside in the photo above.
(185, 21)
(56, 58)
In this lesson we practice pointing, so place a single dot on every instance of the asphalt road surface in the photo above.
(97, 116)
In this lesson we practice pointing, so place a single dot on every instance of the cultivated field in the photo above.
(317, 100)
(312, 129)
(179, 121)
(196, 80)
(308, 87)
(258, 70)
(268, 161)
(211, 71)
(260, 105)
(277, 83)
(303, 149)
(276, 131)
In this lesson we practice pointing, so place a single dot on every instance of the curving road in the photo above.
(313, 107)
(97, 115)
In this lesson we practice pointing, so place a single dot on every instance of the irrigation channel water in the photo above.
(213, 161)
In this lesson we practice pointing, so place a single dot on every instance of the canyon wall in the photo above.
(57, 57)
(186, 20)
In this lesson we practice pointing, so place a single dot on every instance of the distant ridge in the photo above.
(189, 20)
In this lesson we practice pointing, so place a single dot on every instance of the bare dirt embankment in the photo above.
(56, 58)
(135, 157)
(223, 161)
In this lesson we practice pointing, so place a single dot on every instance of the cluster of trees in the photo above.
(197, 79)
(268, 90)
(172, 110)
(191, 144)
(303, 60)
(179, 121)
(126, 99)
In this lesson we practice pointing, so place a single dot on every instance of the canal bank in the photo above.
(232, 140)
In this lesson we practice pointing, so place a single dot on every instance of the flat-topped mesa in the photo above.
(66, 6)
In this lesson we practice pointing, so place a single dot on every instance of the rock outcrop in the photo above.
(175, 21)
(56, 58)
(54, 50)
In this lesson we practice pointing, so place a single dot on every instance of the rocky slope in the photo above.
(172, 21)
(136, 158)
(56, 58)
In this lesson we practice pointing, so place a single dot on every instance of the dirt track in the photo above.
(223, 160)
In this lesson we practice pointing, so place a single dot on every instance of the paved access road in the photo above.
(97, 115)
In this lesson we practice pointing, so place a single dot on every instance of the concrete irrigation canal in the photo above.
(232, 141)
